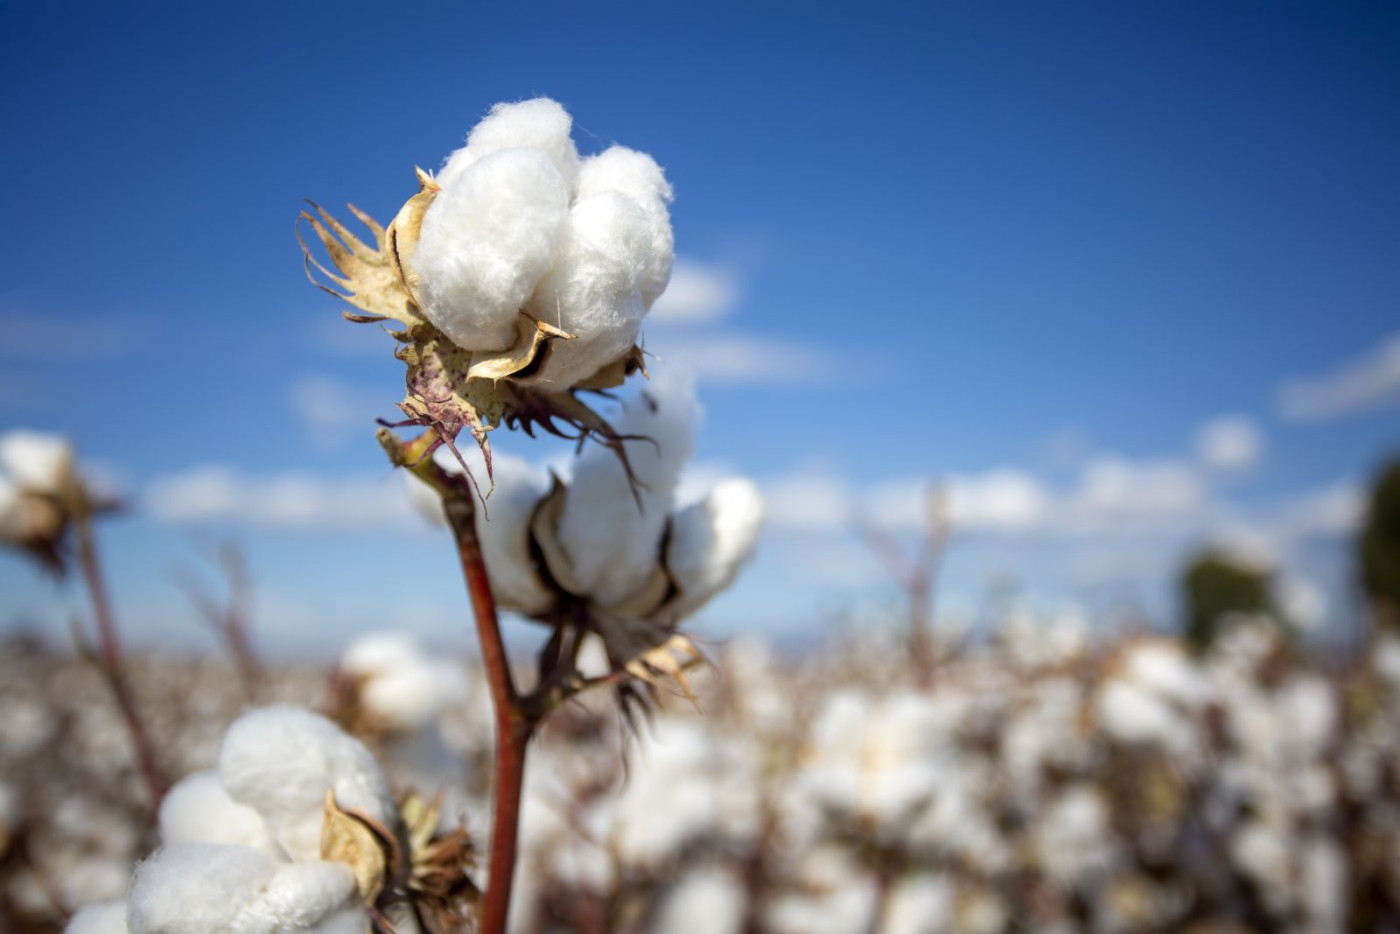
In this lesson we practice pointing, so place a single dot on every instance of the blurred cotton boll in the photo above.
(399, 685)
(706, 901)
(36, 462)
(711, 539)
(611, 528)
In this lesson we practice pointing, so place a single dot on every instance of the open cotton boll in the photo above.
(486, 241)
(612, 545)
(213, 889)
(711, 539)
(35, 461)
(103, 918)
(280, 761)
(199, 810)
(409, 699)
(637, 176)
(593, 290)
(540, 123)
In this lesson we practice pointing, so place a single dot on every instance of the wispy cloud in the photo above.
(331, 409)
(1230, 443)
(698, 292)
(66, 338)
(734, 359)
(219, 494)
(1368, 382)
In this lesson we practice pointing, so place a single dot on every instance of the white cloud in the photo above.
(1365, 383)
(331, 409)
(216, 493)
(697, 293)
(1230, 443)
(1333, 512)
(1118, 495)
(742, 359)
(808, 502)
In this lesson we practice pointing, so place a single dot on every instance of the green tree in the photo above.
(1380, 546)
(1213, 586)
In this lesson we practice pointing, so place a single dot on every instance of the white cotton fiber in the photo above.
(378, 653)
(706, 901)
(711, 539)
(199, 810)
(504, 530)
(35, 461)
(197, 887)
(636, 176)
(280, 761)
(103, 918)
(207, 889)
(534, 124)
(593, 289)
(612, 545)
(486, 241)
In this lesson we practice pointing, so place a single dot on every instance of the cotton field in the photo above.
(1044, 781)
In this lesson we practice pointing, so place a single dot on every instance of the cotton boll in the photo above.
(534, 124)
(104, 918)
(35, 461)
(612, 545)
(593, 290)
(280, 761)
(410, 699)
(711, 539)
(199, 810)
(486, 241)
(637, 176)
(708, 901)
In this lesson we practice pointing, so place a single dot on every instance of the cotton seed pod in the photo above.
(516, 278)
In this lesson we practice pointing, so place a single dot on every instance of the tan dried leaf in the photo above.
(354, 839)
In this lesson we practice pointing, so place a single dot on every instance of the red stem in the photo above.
(513, 726)
(112, 659)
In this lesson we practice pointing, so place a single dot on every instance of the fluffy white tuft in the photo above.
(280, 761)
(102, 918)
(404, 686)
(199, 810)
(35, 461)
(711, 539)
(541, 124)
(612, 544)
(486, 241)
(594, 289)
(636, 176)
(238, 890)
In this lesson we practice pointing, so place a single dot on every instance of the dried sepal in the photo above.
(366, 277)
(439, 881)
(362, 843)
(524, 358)
(669, 660)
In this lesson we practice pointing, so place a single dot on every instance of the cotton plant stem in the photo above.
(514, 725)
(113, 661)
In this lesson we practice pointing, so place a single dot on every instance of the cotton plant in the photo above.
(514, 280)
(294, 832)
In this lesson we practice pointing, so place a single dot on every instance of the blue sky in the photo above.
(1030, 250)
